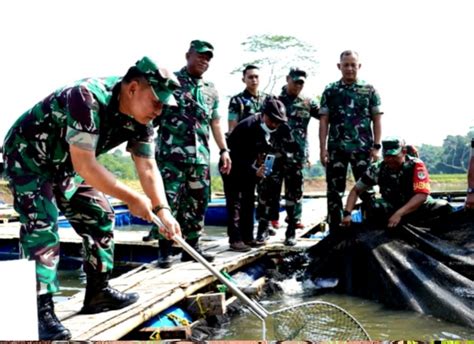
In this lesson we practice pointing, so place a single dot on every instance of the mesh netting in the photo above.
(315, 320)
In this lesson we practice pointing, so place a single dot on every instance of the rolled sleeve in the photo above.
(81, 139)
(141, 149)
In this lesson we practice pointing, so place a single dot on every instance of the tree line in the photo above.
(450, 158)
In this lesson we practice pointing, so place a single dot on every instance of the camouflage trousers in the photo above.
(378, 211)
(36, 200)
(269, 190)
(187, 189)
(336, 174)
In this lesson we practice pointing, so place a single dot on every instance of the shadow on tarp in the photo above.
(427, 269)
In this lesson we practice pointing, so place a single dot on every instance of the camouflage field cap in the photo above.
(297, 74)
(201, 47)
(392, 145)
(162, 82)
(275, 109)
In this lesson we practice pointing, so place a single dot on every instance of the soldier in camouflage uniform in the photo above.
(250, 101)
(349, 131)
(183, 149)
(299, 110)
(404, 185)
(50, 161)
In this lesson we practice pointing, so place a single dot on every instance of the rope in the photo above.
(202, 310)
(178, 321)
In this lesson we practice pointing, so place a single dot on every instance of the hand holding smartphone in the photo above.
(269, 160)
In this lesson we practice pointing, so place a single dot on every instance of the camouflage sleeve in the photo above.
(214, 111)
(314, 108)
(324, 108)
(143, 145)
(369, 178)
(375, 103)
(235, 109)
(83, 119)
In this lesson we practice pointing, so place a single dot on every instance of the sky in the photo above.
(416, 53)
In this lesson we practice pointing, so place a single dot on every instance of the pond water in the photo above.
(380, 322)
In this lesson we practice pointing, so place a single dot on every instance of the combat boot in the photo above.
(194, 243)
(262, 232)
(101, 297)
(49, 326)
(290, 235)
(164, 253)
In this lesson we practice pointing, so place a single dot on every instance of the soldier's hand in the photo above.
(346, 221)
(374, 154)
(171, 226)
(226, 163)
(140, 206)
(394, 220)
(324, 157)
(469, 201)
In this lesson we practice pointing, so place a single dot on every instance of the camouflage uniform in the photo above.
(350, 139)
(41, 176)
(299, 111)
(245, 104)
(291, 156)
(183, 154)
(397, 188)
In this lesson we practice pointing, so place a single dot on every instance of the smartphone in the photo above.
(269, 160)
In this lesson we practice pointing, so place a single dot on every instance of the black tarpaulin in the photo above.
(427, 269)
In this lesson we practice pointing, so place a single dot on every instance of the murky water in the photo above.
(380, 322)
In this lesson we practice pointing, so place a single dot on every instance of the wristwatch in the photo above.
(377, 146)
(470, 190)
(223, 150)
(346, 213)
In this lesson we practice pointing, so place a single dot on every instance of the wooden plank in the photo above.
(204, 305)
(162, 288)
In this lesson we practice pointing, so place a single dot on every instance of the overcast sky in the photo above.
(416, 53)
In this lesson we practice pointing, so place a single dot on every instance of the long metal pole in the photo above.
(259, 310)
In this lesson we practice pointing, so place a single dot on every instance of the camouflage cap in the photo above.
(392, 145)
(297, 74)
(201, 47)
(275, 109)
(162, 82)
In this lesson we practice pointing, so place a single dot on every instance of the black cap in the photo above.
(275, 109)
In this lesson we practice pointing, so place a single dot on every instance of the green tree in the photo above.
(119, 164)
(276, 54)
(431, 156)
(455, 156)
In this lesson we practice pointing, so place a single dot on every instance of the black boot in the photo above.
(262, 232)
(290, 235)
(164, 253)
(101, 297)
(185, 257)
(49, 326)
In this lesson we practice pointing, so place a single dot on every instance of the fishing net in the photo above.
(314, 321)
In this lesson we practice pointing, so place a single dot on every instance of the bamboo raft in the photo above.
(161, 288)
